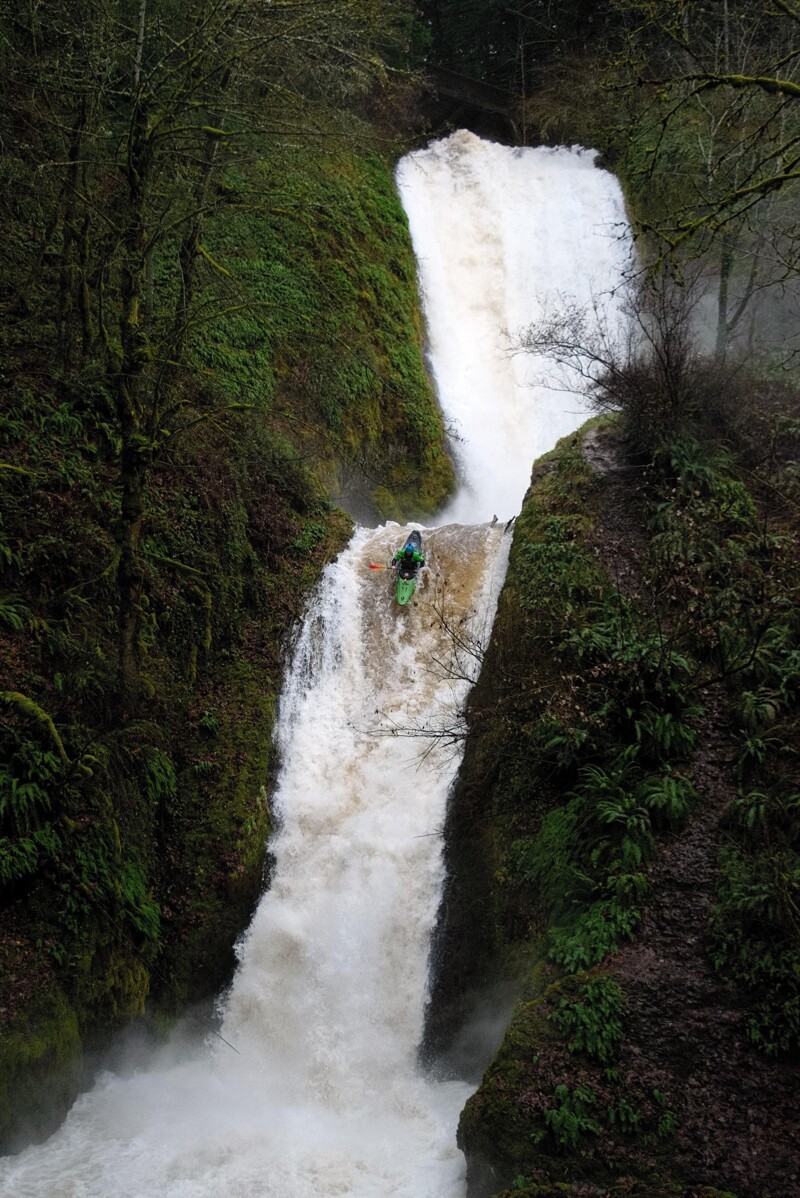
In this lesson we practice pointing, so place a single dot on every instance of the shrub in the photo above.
(593, 1019)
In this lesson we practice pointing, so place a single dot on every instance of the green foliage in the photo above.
(608, 748)
(587, 861)
(132, 829)
(14, 614)
(732, 582)
(160, 782)
(28, 779)
(593, 1019)
(312, 535)
(755, 938)
(596, 930)
(593, 770)
(21, 856)
(625, 1116)
(668, 799)
(138, 906)
(667, 1119)
(554, 570)
(209, 722)
(573, 1117)
(711, 554)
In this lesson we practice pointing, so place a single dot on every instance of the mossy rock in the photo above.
(225, 812)
(40, 1068)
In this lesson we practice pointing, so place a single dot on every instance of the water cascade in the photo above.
(323, 1095)
(501, 237)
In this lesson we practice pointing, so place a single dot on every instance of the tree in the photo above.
(717, 138)
(126, 117)
(649, 365)
(508, 44)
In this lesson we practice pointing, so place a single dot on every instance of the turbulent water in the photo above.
(502, 236)
(320, 1093)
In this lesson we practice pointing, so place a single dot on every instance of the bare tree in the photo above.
(650, 367)
(716, 142)
(126, 117)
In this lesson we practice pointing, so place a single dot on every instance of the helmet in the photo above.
(409, 550)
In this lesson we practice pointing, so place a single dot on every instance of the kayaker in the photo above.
(408, 560)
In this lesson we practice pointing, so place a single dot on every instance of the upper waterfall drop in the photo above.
(500, 234)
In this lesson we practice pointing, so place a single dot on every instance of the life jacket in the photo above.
(408, 565)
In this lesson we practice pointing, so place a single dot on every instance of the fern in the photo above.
(27, 783)
(159, 776)
(596, 932)
(758, 710)
(668, 797)
(594, 1019)
(22, 857)
(754, 939)
(663, 735)
(14, 615)
(139, 908)
(750, 816)
(626, 1117)
(572, 1118)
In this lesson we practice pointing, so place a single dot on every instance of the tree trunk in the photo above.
(130, 576)
(135, 456)
(725, 268)
(70, 246)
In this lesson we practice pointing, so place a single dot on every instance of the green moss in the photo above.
(40, 1067)
(331, 344)
(225, 815)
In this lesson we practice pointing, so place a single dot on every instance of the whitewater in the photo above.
(318, 1090)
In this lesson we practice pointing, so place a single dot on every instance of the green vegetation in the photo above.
(607, 725)
(731, 568)
(210, 337)
(594, 1018)
(131, 849)
(331, 342)
(597, 725)
(592, 707)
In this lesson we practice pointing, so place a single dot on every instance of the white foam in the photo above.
(498, 233)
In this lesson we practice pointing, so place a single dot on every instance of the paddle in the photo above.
(373, 566)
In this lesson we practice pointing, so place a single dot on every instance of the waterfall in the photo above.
(501, 236)
(320, 1092)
